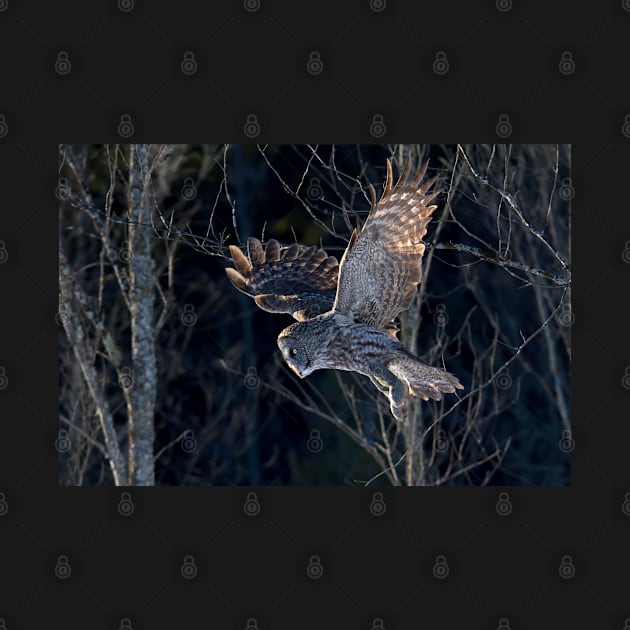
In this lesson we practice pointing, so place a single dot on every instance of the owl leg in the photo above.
(380, 384)
(394, 389)
(397, 400)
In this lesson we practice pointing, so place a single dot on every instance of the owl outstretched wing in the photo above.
(381, 267)
(294, 280)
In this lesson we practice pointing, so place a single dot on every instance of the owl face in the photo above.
(295, 355)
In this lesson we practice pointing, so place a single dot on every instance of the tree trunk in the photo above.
(141, 400)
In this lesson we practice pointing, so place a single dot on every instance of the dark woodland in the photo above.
(169, 376)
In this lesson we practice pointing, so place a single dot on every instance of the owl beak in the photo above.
(296, 369)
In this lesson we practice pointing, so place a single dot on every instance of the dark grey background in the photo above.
(375, 63)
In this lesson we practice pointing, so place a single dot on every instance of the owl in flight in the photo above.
(346, 311)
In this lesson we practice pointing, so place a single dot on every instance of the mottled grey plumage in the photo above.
(346, 311)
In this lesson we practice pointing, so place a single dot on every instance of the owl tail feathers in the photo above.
(424, 381)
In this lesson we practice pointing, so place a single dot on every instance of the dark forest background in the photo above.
(143, 234)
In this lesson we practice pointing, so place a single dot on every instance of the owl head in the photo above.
(303, 346)
(295, 355)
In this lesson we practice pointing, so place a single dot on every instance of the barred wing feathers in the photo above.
(298, 281)
(381, 267)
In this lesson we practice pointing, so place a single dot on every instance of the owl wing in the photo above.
(301, 282)
(381, 267)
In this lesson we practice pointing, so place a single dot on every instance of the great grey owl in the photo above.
(345, 311)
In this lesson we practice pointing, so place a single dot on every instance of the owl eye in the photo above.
(293, 351)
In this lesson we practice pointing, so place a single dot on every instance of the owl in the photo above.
(346, 312)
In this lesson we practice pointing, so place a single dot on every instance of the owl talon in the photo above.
(399, 412)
